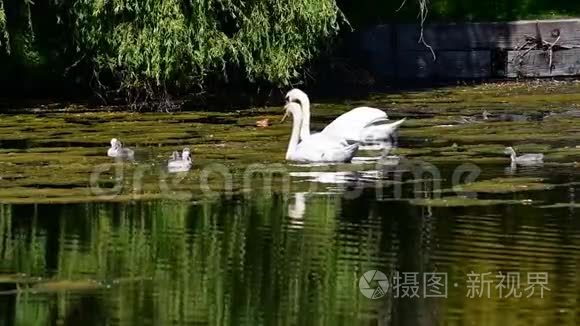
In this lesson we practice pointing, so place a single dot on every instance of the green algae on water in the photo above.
(49, 155)
(504, 185)
(464, 202)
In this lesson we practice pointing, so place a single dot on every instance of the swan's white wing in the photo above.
(320, 139)
(323, 149)
(350, 124)
(380, 131)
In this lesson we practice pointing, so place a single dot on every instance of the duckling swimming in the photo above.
(524, 159)
(485, 115)
(117, 150)
(177, 163)
(175, 156)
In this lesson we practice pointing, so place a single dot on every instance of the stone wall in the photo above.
(474, 50)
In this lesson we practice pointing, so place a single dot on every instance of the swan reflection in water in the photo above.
(296, 210)
(297, 207)
(297, 203)
(514, 167)
(340, 177)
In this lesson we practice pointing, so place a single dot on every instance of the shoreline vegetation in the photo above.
(528, 88)
(164, 55)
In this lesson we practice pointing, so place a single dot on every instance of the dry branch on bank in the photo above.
(538, 43)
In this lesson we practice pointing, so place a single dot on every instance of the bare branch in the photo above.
(423, 11)
(401, 6)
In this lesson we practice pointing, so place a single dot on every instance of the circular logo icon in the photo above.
(380, 288)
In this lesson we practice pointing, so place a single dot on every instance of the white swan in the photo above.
(117, 150)
(183, 163)
(315, 149)
(362, 124)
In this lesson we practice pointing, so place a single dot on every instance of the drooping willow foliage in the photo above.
(183, 43)
(4, 41)
(151, 46)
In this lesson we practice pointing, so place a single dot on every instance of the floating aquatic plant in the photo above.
(504, 185)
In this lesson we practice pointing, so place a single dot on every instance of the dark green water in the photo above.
(290, 250)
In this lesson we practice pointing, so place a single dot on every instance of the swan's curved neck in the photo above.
(305, 105)
(512, 154)
(296, 120)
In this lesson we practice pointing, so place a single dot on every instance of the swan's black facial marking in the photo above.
(289, 99)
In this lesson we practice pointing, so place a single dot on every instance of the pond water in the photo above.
(244, 238)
